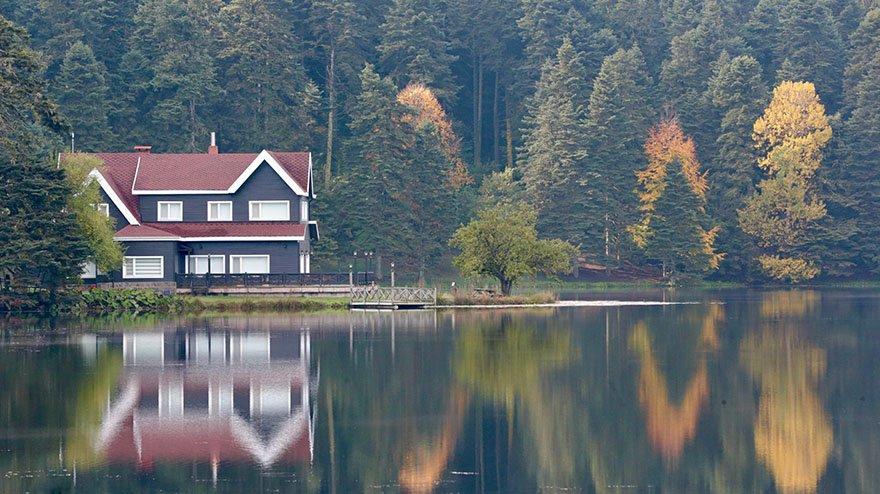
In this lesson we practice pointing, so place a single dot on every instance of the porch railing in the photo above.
(280, 279)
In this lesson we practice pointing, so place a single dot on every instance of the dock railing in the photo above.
(392, 297)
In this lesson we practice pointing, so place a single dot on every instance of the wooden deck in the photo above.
(376, 297)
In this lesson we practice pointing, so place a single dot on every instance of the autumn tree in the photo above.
(672, 199)
(792, 131)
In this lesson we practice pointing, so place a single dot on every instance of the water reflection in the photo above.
(793, 434)
(771, 391)
(195, 396)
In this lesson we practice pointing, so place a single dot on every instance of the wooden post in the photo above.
(350, 275)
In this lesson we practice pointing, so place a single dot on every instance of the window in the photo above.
(103, 208)
(304, 209)
(205, 264)
(269, 210)
(143, 267)
(219, 211)
(249, 264)
(90, 270)
(170, 211)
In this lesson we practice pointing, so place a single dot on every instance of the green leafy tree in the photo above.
(82, 93)
(553, 149)
(503, 243)
(619, 114)
(96, 228)
(415, 47)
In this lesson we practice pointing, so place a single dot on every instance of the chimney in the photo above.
(213, 149)
(143, 149)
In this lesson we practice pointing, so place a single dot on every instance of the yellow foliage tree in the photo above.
(427, 110)
(793, 131)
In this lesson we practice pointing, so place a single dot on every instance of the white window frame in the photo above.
(251, 256)
(304, 209)
(103, 208)
(159, 205)
(89, 271)
(254, 217)
(134, 274)
(208, 257)
(210, 203)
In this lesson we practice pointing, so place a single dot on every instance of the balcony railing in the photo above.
(280, 279)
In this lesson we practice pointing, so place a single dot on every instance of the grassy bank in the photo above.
(468, 298)
(118, 301)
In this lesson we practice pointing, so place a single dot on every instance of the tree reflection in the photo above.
(793, 434)
(511, 364)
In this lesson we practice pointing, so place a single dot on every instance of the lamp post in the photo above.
(356, 272)
(369, 256)
(350, 275)
(392, 275)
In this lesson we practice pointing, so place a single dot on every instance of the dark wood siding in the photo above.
(168, 250)
(115, 213)
(263, 185)
(283, 256)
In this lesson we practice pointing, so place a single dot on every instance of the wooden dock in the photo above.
(377, 297)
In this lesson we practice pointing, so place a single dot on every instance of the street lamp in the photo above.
(369, 256)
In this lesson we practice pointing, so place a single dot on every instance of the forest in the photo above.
(730, 139)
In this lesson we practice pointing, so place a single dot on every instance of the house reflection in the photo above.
(211, 396)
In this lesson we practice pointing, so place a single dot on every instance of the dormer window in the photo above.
(219, 211)
(269, 210)
(304, 209)
(170, 211)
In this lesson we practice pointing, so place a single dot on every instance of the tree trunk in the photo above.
(506, 286)
(478, 138)
(508, 129)
(496, 128)
(192, 123)
(331, 115)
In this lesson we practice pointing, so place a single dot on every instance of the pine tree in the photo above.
(340, 31)
(40, 243)
(81, 91)
(415, 47)
(175, 36)
(672, 195)
(619, 115)
(780, 216)
(264, 74)
(377, 150)
(856, 201)
(738, 94)
(553, 147)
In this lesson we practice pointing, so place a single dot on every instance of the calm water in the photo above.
(747, 391)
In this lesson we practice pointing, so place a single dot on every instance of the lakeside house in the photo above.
(199, 213)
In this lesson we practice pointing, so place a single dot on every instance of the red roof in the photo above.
(213, 229)
(140, 171)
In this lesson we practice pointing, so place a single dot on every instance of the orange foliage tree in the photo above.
(427, 111)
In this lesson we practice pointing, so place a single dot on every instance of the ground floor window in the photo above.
(90, 270)
(205, 264)
(143, 267)
(258, 264)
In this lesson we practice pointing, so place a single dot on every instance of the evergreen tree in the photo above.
(264, 74)
(738, 93)
(175, 36)
(856, 201)
(676, 236)
(415, 46)
(553, 148)
(339, 29)
(81, 91)
(40, 244)
(619, 115)
(377, 149)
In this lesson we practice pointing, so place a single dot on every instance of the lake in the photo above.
(738, 391)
